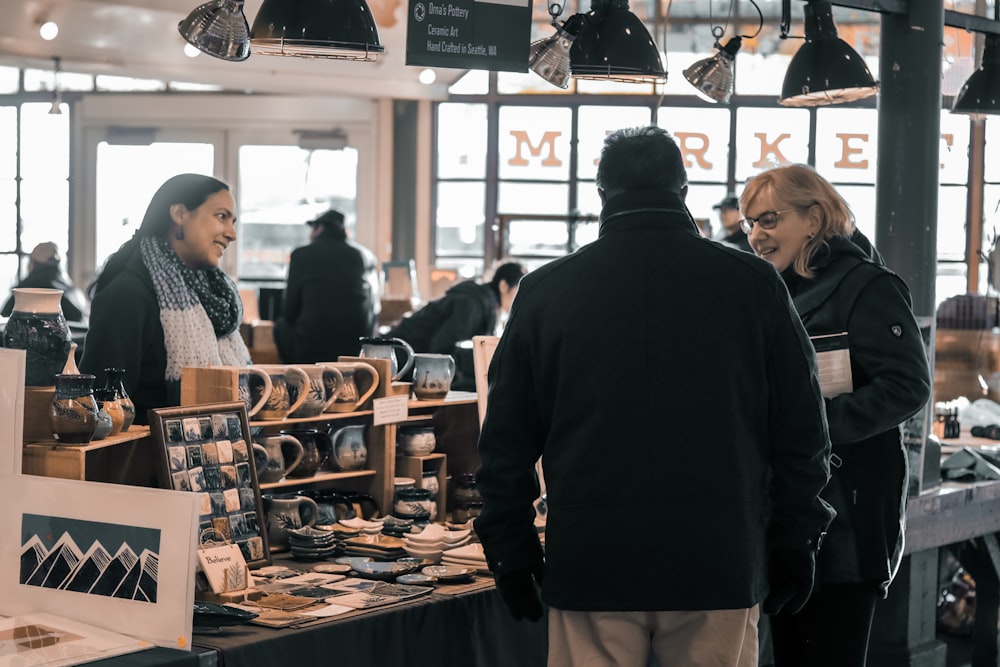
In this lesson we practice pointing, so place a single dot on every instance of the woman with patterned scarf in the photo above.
(162, 302)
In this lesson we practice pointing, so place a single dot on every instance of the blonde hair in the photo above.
(802, 188)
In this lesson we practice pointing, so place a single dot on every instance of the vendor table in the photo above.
(469, 629)
(965, 518)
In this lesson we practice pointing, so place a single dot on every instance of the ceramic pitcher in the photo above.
(385, 348)
(286, 512)
(432, 375)
(315, 450)
(270, 460)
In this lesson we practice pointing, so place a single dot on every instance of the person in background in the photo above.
(45, 271)
(798, 222)
(162, 303)
(468, 309)
(729, 218)
(590, 374)
(331, 298)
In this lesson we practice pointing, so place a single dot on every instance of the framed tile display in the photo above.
(207, 449)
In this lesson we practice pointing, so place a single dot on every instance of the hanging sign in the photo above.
(469, 34)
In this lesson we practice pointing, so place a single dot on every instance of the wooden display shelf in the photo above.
(126, 458)
(414, 467)
(452, 398)
(318, 478)
(324, 417)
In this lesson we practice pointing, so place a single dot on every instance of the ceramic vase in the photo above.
(74, 411)
(38, 327)
(107, 401)
(116, 383)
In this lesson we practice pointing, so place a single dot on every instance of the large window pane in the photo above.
(547, 238)
(8, 274)
(703, 137)
(954, 150)
(8, 211)
(532, 198)
(770, 137)
(847, 144)
(861, 199)
(534, 143)
(461, 144)
(993, 149)
(460, 212)
(8, 142)
(281, 188)
(44, 212)
(123, 191)
(951, 222)
(44, 142)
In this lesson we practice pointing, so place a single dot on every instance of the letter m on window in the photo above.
(545, 149)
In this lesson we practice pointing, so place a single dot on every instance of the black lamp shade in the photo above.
(981, 92)
(614, 44)
(825, 70)
(339, 29)
(218, 28)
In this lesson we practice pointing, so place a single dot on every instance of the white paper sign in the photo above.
(390, 410)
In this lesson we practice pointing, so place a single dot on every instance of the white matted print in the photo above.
(11, 410)
(119, 557)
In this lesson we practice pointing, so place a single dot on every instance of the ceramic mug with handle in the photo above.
(279, 403)
(360, 380)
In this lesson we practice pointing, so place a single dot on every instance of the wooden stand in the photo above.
(37, 411)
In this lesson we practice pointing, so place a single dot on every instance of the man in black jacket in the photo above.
(681, 431)
(331, 298)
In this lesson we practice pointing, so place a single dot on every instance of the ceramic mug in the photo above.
(360, 380)
(270, 460)
(348, 448)
(279, 404)
(324, 386)
(432, 375)
(253, 400)
(287, 512)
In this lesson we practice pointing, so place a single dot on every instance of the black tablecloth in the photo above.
(467, 630)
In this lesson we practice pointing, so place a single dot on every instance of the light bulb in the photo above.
(48, 30)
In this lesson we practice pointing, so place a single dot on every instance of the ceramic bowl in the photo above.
(415, 440)
(433, 555)
(448, 574)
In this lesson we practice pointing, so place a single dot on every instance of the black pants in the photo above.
(831, 631)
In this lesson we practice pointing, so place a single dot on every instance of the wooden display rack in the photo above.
(126, 458)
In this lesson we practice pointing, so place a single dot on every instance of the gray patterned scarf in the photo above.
(200, 312)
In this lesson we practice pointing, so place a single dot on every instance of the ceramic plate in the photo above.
(331, 568)
(353, 560)
(447, 574)
(415, 579)
(385, 571)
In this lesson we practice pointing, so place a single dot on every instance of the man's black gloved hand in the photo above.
(518, 592)
(790, 573)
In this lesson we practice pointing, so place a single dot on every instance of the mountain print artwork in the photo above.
(118, 561)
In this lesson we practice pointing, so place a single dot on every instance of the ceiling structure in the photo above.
(139, 38)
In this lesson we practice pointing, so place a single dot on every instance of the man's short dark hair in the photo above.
(640, 158)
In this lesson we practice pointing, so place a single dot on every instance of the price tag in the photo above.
(390, 410)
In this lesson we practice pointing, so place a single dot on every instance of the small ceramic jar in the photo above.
(413, 503)
(429, 481)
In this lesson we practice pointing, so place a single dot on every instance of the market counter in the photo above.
(469, 629)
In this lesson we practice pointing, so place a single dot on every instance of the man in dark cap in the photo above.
(729, 216)
(331, 298)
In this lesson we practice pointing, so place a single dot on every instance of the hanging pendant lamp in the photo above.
(549, 57)
(218, 28)
(614, 45)
(338, 29)
(981, 92)
(825, 70)
(713, 77)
